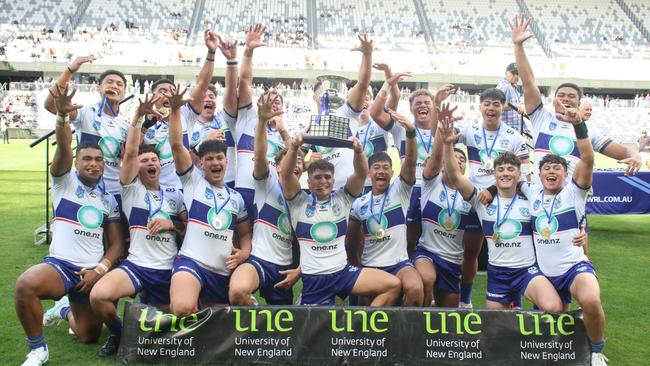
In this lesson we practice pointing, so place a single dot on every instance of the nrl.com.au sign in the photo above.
(357, 336)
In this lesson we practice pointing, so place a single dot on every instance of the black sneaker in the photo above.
(110, 347)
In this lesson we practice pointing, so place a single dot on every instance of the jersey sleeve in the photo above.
(519, 146)
(242, 214)
(130, 190)
(540, 116)
(354, 212)
(404, 192)
(428, 185)
(59, 185)
(228, 119)
(188, 180)
(527, 188)
(113, 209)
(83, 114)
(580, 194)
(598, 140)
(346, 111)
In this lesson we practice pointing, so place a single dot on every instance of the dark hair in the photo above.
(553, 159)
(143, 149)
(160, 82)
(379, 156)
(493, 94)
(89, 145)
(572, 86)
(320, 164)
(460, 152)
(282, 152)
(212, 146)
(419, 92)
(112, 72)
(213, 89)
(507, 157)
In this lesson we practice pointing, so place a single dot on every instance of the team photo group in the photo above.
(191, 203)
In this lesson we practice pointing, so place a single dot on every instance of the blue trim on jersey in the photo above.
(269, 214)
(544, 140)
(185, 172)
(189, 105)
(140, 217)
(579, 186)
(473, 153)
(566, 221)
(303, 230)
(395, 217)
(88, 137)
(602, 149)
(68, 210)
(432, 211)
(488, 228)
(247, 106)
(246, 142)
(199, 211)
(354, 110)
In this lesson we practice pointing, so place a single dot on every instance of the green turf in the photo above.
(617, 247)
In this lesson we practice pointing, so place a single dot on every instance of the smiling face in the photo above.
(149, 168)
(380, 175)
(112, 87)
(553, 176)
(90, 165)
(421, 108)
(491, 110)
(321, 183)
(506, 176)
(214, 167)
(568, 97)
(585, 111)
(209, 105)
(158, 93)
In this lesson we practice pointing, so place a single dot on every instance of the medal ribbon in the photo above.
(489, 151)
(381, 209)
(214, 198)
(152, 214)
(324, 107)
(549, 215)
(453, 203)
(427, 147)
(365, 137)
(505, 216)
(313, 199)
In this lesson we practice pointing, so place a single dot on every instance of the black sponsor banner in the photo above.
(354, 335)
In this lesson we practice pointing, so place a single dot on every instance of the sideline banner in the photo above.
(355, 336)
(616, 194)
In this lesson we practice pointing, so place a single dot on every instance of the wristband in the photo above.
(69, 69)
(385, 87)
(110, 262)
(98, 272)
(139, 123)
(232, 62)
(410, 134)
(62, 119)
(581, 131)
(103, 266)
(211, 52)
(211, 59)
(493, 190)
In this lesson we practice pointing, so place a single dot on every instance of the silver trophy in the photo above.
(326, 129)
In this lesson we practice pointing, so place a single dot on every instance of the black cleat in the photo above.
(110, 347)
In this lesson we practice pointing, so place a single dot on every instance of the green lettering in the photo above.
(383, 318)
(238, 325)
(472, 319)
(522, 325)
(334, 326)
(288, 317)
(364, 320)
(560, 324)
(143, 320)
(551, 321)
(427, 323)
(192, 319)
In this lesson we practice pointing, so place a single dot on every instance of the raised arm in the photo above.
(63, 106)
(583, 173)
(434, 163)
(290, 183)
(229, 51)
(359, 90)
(378, 107)
(130, 163)
(624, 155)
(205, 75)
(63, 80)
(182, 158)
(447, 136)
(264, 113)
(520, 33)
(253, 41)
(407, 171)
(355, 182)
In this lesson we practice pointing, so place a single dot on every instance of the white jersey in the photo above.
(514, 245)
(80, 215)
(109, 132)
(158, 136)
(244, 140)
(213, 214)
(384, 231)
(320, 227)
(220, 121)
(556, 253)
(552, 136)
(373, 139)
(484, 146)
(342, 158)
(444, 216)
(425, 144)
(272, 233)
(139, 205)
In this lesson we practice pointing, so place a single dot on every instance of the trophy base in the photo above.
(326, 141)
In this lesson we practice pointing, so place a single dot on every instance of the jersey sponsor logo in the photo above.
(561, 145)
(324, 232)
(310, 210)
(324, 150)
(283, 224)
(509, 229)
(164, 149)
(90, 217)
(336, 208)
(477, 139)
(546, 228)
(552, 126)
(449, 222)
(220, 221)
(110, 146)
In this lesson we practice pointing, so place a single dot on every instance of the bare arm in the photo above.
(377, 108)
(64, 79)
(62, 101)
(359, 90)
(253, 40)
(532, 96)
(624, 155)
(407, 171)
(264, 113)
(182, 158)
(205, 75)
(354, 241)
(229, 51)
(130, 164)
(448, 135)
(290, 183)
(239, 255)
(355, 182)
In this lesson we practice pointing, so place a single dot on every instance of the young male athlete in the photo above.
(157, 133)
(320, 222)
(507, 227)
(156, 215)
(380, 217)
(269, 266)
(215, 213)
(84, 216)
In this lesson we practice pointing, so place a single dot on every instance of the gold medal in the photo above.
(546, 233)
(488, 164)
(495, 237)
(216, 223)
(150, 223)
(449, 224)
(380, 233)
(165, 112)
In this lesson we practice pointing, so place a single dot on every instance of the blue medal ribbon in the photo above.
(381, 209)
(214, 198)
(450, 209)
(505, 216)
(151, 214)
(427, 147)
(489, 151)
(324, 107)
(549, 215)
(365, 137)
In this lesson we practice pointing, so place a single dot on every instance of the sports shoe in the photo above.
(53, 315)
(254, 300)
(598, 359)
(37, 357)
(110, 347)
(464, 305)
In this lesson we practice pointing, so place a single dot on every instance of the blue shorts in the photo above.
(414, 213)
(562, 283)
(395, 268)
(154, 282)
(249, 201)
(214, 287)
(70, 279)
(269, 275)
(321, 289)
(447, 273)
(473, 223)
(506, 284)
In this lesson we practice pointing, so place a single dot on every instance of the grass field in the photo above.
(618, 247)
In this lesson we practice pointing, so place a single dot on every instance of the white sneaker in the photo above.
(53, 315)
(598, 359)
(254, 300)
(37, 357)
(463, 305)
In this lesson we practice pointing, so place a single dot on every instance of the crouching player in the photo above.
(156, 214)
(378, 218)
(512, 268)
(84, 215)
